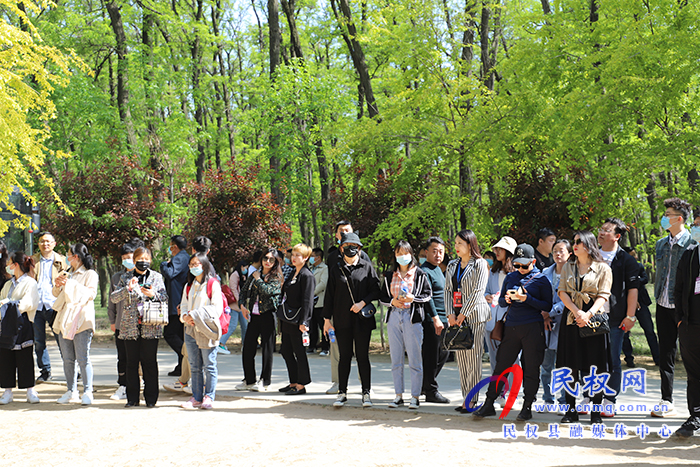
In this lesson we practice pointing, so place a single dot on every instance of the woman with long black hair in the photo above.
(259, 299)
(465, 285)
(75, 320)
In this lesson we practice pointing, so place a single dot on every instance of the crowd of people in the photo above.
(542, 307)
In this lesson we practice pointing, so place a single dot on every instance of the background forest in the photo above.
(254, 121)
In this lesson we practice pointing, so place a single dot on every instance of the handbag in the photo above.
(598, 325)
(154, 313)
(286, 314)
(499, 327)
(369, 310)
(458, 337)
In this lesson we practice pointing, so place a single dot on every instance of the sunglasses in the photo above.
(578, 242)
(268, 259)
(521, 266)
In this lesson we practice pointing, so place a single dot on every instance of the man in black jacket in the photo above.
(687, 301)
(622, 305)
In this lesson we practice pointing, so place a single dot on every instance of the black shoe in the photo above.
(570, 417)
(525, 414)
(630, 363)
(486, 410)
(131, 404)
(437, 398)
(310, 350)
(285, 389)
(295, 392)
(690, 428)
(150, 405)
(176, 372)
(459, 408)
(596, 418)
(44, 377)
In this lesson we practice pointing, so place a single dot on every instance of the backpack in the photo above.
(225, 318)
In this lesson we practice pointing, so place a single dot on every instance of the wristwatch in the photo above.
(632, 318)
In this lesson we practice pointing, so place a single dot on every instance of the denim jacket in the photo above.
(663, 250)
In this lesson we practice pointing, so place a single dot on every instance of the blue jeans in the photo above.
(548, 364)
(202, 362)
(616, 337)
(236, 317)
(78, 350)
(405, 336)
(42, 354)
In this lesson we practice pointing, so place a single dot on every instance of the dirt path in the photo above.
(242, 432)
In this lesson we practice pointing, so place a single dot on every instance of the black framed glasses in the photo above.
(521, 266)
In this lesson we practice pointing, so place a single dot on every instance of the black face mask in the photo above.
(351, 251)
(142, 265)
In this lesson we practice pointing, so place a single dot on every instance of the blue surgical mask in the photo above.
(128, 263)
(695, 233)
(312, 260)
(170, 251)
(489, 261)
(196, 271)
(287, 261)
(665, 223)
(244, 271)
(421, 261)
(404, 260)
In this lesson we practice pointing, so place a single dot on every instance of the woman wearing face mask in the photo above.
(498, 270)
(352, 284)
(406, 290)
(136, 287)
(259, 299)
(200, 310)
(235, 280)
(75, 320)
(16, 354)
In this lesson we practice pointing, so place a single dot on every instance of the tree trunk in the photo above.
(196, 53)
(122, 73)
(275, 41)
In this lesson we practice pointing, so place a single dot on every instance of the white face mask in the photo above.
(695, 233)
(403, 260)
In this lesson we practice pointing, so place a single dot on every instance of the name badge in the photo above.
(457, 299)
(697, 286)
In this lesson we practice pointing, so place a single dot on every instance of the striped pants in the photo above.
(469, 361)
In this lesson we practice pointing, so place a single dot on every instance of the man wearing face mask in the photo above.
(175, 274)
(341, 228)
(114, 312)
(668, 253)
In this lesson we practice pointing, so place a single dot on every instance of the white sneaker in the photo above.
(366, 401)
(414, 404)
(341, 400)
(32, 396)
(259, 387)
(398, 400)
(501, 402)
(665, 409)
(187, 390)
(177, 386)
(608, 413)
(333, 389)
(244, 386)
(119, 394)
(69, 396)
(87, 398)
(6, 397)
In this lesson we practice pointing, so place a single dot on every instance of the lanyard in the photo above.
(460, 275)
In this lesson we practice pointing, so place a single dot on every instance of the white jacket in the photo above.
(26, 293)
(204, 311)
(75, 305)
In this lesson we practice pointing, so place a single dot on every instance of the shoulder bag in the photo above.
(458, 337)
(153, 313)
(598, 324)
(369, 309)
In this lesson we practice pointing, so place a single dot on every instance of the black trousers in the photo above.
(17, 368)
(294, 354)
(262, 326)
(316, 331)
(434, 357)
(358, 338)
(174, 335)
(667, 329)
(121, 359)
(144, 352)
(690, 351)
(528, 338)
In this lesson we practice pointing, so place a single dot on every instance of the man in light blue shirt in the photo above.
(48, 265)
